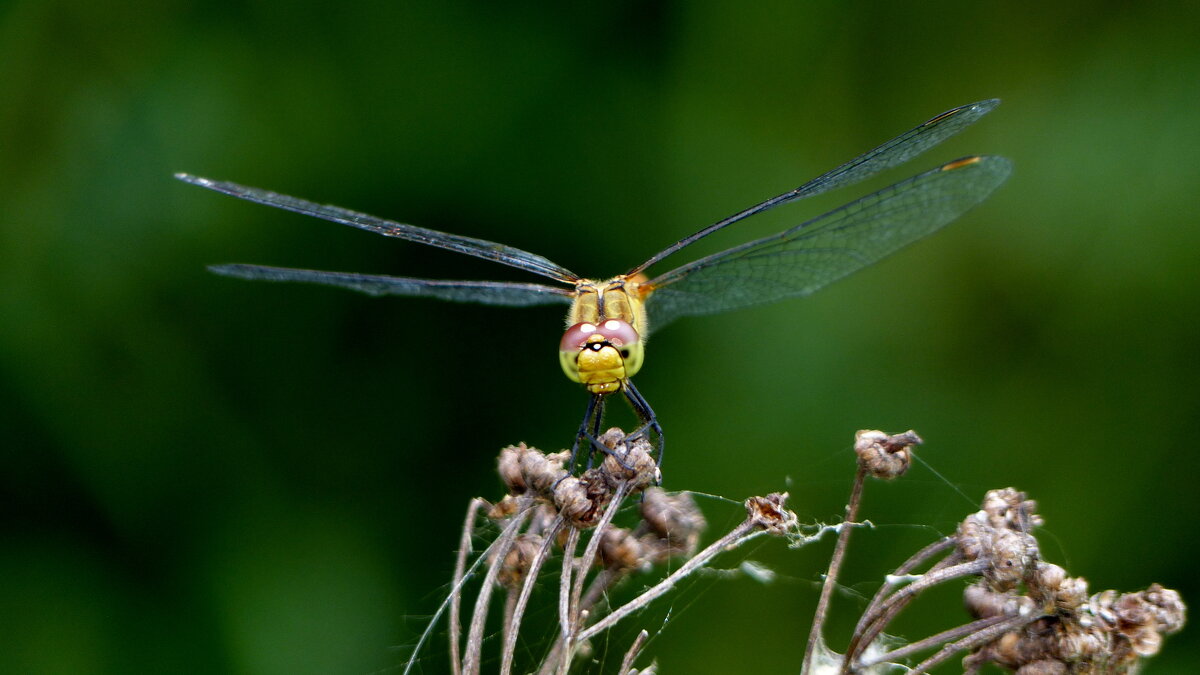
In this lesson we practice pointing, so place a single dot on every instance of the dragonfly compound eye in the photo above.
(600, 355)
(618, 332)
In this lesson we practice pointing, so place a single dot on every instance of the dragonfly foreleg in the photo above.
(646, 414)
(589, 429)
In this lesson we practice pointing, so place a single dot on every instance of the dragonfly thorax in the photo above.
(621, 298)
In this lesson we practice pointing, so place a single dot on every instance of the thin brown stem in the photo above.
(535, 567)
(921, 645)
(835, 564)
(739, 535)
(632, 654)
(552, 662)
(593, 546)
(909, 565)
(897, 601)
(982, 637)
(873, 608)
(471, 660)
(460, 567)
(510, 607)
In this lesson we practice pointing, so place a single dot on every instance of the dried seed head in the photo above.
(581, 500)
(1010, 553)
(1044, 667)
(1056, 592)
(1068, 631)
(517, 560)
(629, 460)
(523, 469)
(1049, 577)
(983, 602)
(1008, 508)
(883, 456)
(1140, 619)
(768, 513)
(1168, 608)
(620, 550)
(508, 465)
(543, 518)
(674, 519)
(503, 508)
(1107, 633)
(541, 471)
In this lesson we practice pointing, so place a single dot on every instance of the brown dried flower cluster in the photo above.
(1027, 615)
(883, 456)
(1070, 631)
(549, 513)
(1030, 616)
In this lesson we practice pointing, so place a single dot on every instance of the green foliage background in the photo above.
(206, 475)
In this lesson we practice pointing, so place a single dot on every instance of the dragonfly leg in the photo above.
(589, 429)
(646, 414)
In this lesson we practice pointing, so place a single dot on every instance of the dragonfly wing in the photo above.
(486, 292)
(891, 154)
(801, 260)
(480, 248)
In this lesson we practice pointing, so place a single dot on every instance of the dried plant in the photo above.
(1029, 616)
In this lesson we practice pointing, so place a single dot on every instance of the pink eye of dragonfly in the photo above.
(615, 331)
(609, 319)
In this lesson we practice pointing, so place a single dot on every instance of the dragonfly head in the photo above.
(601, 356)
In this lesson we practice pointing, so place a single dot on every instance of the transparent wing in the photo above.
(480, 248)
(801, 260)
(486, 292)
(893, 153)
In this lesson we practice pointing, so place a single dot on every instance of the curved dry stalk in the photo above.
(471, 660)
(981, 637)
(632, 654)
(739, 535)
(909, 565)
(863, 634)
(460, 567)
(593, 546)
(554, 658)
(835, 563)
(951, 635)
(897, 601)
(535, 566)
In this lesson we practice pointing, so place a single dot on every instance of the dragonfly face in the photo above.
(604, 345)
(609, 320)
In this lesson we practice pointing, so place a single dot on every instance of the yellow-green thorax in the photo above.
(604, 343)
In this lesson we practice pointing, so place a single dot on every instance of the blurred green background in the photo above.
(208, 475)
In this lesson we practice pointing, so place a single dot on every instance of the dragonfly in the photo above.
(609, 319)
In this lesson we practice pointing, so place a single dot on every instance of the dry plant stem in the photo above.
(835, 564)
(471, 660)
(510, 607)
(604, 581)
(632, 654)
(982, 637)
(870, 615)
(585, 563)
(909, 565)
(593, 546)
(897, 601)
(535, 566)
(739, 535)
(933, 640)
(557, 653)
(460, 567)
